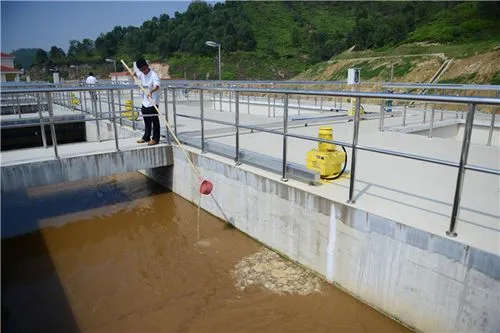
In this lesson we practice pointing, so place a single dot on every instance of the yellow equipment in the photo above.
(352, 109)
(128, 110)
(74, 101)
(327, 160)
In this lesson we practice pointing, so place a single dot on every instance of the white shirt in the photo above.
(91, 80)
(148, 82)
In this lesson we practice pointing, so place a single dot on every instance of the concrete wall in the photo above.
(431, 283)
(69, 169)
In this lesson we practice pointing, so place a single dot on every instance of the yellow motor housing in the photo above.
(326, 160)
(128, 110)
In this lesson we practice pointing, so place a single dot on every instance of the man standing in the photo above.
(151, 83)
(90, 81)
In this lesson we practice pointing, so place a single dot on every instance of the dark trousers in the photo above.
(151, 120)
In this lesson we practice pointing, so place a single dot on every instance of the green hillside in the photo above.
(281, 39)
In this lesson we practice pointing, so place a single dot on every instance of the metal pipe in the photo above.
(425, 113)
(100, 103)
(18, 106)
(461, 169)
(165, 92)
(248, 100)
(268, 106)
(492, 124)
(237, 125)
(274, 106)
(298, 102)
(354, 150)
(52, 126)
(202, 116)
(174, 111)
(404, 114)
(114, 121)
(431, 123)
(285, 131)
(40, 114)
(94, 112)
(382, 115)
(84, 109)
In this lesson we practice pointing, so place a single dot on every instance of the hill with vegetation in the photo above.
(302, 40)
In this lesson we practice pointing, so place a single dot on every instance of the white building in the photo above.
(9, 73)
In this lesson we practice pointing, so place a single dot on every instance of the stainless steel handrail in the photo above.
(471, 101)
(462, 165)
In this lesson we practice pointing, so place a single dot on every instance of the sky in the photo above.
(43, 24)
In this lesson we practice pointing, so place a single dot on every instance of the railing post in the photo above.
(268, 106)
(354, 150)
(461, 170)
(52, 126)
(42, 127)
(18, 105)
(431, 123)
(84, 109)
(382, 115)
(425, 113)
(248, 100)
(404, 114)
(202, 119)
(298, 101)
(165, 92)
(285, 137)
(492, 124)
(113, 110)
(133, 109)
(174, 111)
(118, 92)
(95, 112)
(274, 106)
(220, 100)
(237, 126)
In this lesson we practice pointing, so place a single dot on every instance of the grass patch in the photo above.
(496, 78)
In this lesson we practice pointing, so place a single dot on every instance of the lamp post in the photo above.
(114, 63)
(217, 45)
(77, 71)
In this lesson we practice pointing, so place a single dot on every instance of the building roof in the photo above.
(6, 55)
(7, 69)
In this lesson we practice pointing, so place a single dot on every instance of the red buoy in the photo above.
(206, 187)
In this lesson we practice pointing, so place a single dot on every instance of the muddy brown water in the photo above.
(121, 254)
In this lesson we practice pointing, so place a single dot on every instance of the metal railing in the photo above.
(462, 165)
(172, 94)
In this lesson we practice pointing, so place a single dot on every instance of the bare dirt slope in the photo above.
(477, 69)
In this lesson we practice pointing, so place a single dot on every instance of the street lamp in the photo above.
(214, 44)
(77, 69)
(217, 45)
(114, 63)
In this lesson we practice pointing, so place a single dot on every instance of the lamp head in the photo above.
(211, 44)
